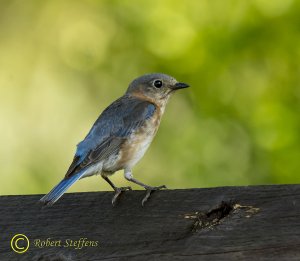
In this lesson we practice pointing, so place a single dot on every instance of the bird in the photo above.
(121, 135)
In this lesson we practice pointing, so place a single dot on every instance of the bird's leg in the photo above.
(117, 190)
(128, 175)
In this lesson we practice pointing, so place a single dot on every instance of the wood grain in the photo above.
(226, 223)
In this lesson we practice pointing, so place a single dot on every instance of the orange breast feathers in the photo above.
(134, 148)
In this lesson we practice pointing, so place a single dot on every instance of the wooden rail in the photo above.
(226, 223)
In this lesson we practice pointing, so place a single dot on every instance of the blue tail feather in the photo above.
(60, 189)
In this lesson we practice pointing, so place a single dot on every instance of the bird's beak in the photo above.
(179, 85)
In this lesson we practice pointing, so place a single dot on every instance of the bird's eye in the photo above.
(157, 83)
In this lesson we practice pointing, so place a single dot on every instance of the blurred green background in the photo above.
(62, 62)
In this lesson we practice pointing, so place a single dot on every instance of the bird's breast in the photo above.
(138, 142)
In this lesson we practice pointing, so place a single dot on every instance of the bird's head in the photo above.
(156, 86)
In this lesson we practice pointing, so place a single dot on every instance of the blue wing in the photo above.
(110, 130)
(108, 133)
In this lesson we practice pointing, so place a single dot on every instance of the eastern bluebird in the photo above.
(121, 135)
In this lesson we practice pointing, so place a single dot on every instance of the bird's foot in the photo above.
(118, 192)
(149, 190)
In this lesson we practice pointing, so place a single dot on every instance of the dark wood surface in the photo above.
(226, 223)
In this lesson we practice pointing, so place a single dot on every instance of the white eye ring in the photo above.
(158, 83)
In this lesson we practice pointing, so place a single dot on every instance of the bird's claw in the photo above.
(149, 192)
(118, 192)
